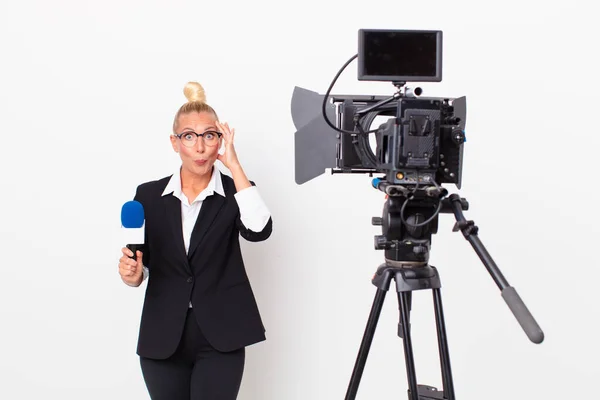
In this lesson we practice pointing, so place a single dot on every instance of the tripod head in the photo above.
(409, 219)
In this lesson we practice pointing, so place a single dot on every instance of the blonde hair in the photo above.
(196, 96)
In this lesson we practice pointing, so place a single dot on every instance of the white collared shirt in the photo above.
(190, 212)
(254, 213)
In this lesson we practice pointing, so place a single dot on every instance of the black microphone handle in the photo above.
(134, 248)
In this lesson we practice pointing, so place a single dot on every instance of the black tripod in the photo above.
(406, 239)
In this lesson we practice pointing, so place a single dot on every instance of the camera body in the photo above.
(422, 141)
(420, 144)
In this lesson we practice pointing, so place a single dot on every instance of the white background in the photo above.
(88, 91)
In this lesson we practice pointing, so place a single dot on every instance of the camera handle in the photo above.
(399, 85)
(510, 295)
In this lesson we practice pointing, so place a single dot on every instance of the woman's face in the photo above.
(199, 158)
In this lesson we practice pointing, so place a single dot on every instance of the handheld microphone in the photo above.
(132, 222)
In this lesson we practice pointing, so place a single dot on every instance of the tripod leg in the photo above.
(409, 301)
(365, 345)
(443, 346)
(404, 300)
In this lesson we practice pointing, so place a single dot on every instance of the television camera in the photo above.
(418, 149)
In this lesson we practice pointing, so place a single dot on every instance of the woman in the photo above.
(199, 310)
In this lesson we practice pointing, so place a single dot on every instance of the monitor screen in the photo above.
(400, 55)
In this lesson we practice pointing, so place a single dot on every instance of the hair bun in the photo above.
(194, 92)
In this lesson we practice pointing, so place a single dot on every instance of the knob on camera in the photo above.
(458, 136)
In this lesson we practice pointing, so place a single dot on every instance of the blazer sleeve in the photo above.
(254, 220)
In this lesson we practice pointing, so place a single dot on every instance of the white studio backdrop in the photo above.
(88, 91)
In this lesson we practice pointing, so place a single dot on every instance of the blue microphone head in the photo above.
(132, 214)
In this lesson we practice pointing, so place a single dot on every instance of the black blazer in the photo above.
(212, 276)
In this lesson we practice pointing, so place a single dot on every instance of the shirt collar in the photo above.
(215, 185)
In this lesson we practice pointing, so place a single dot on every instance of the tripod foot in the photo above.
(428, 393)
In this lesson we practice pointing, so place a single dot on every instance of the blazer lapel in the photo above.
(208, 212)
(173, 211)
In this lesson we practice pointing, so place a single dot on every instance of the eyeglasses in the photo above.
(190, 138)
